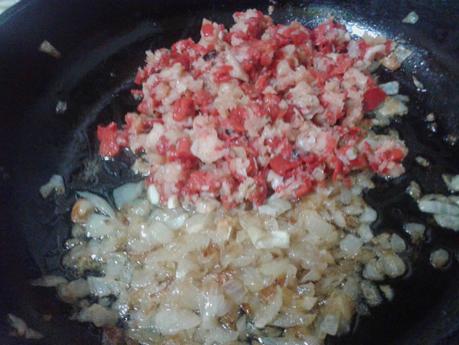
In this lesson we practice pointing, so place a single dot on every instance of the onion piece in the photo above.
(153, 195)
(451, 181)
(350, 245)
(292, 319)
(417, 83)
(49, 281)
(275, 207)
(414, 190)
(411, 18)
(266, 313)
(21, 329)
(439, 258)
(393, 266)
(391, 107)
(102, 286)
(438, 204)
(127, 193)
(55, 184)
(447, 221)
(329, 324)
(422, 161)
(402, 53)
(396, 58)
(99, 203)
(416, 231)
(388, 292)
(371, 293)
(99, 226)
(172, 321)
(73, 291)
(61, 107)
(98, 315)
(397, 243)
(391, 88)
(47, 48)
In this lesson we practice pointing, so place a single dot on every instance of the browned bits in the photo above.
(267, 294)
(211, 250)
(229, 320)
(280, 280)
(246, 308)
(81, 210)
(225, 276)
(113, 336)
(352, 221)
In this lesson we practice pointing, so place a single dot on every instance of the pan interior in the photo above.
(94, 78)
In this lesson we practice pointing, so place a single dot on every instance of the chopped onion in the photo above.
(49, 281)
(127, 193)
(416, 231)
(447, 221)
(48, 48)
(157, 232)
(102, 286)
(234, 289)
(365, 233)
(99, 226)
(329, 324)
(393, 266)
(369, 215)
(422, 161)
(267, 312)
(197, 222)
(153, 195)
(371, 293)
(99, 203)
(411, 18)
(351, 245)
(439, 258)
(387, 291)
(260, 238)
(55, 184)
(74, 290)
(438, 204)
(21, 329)
(61, 107)
(414, 190)
(292, 319)
(391, 88)
(275, 239)
(402, 53)
(396, 58)
(98, 315)
(172, 321)
(373, 270)
(397, 243)
(451, 181)
(417, 83)
(391, 107)
(275, 207)
(430, 117)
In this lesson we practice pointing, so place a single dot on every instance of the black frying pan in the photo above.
(102, 43)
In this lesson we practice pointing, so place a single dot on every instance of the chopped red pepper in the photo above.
(107, 137)
(373, 98)
(183, 108)
(281, 166)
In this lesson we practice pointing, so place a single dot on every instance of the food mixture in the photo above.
(249, 227)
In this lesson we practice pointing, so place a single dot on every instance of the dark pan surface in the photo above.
(102, 43)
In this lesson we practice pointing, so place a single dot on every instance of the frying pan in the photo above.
(102, 43)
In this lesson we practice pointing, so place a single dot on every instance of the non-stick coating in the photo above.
(102, 42)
